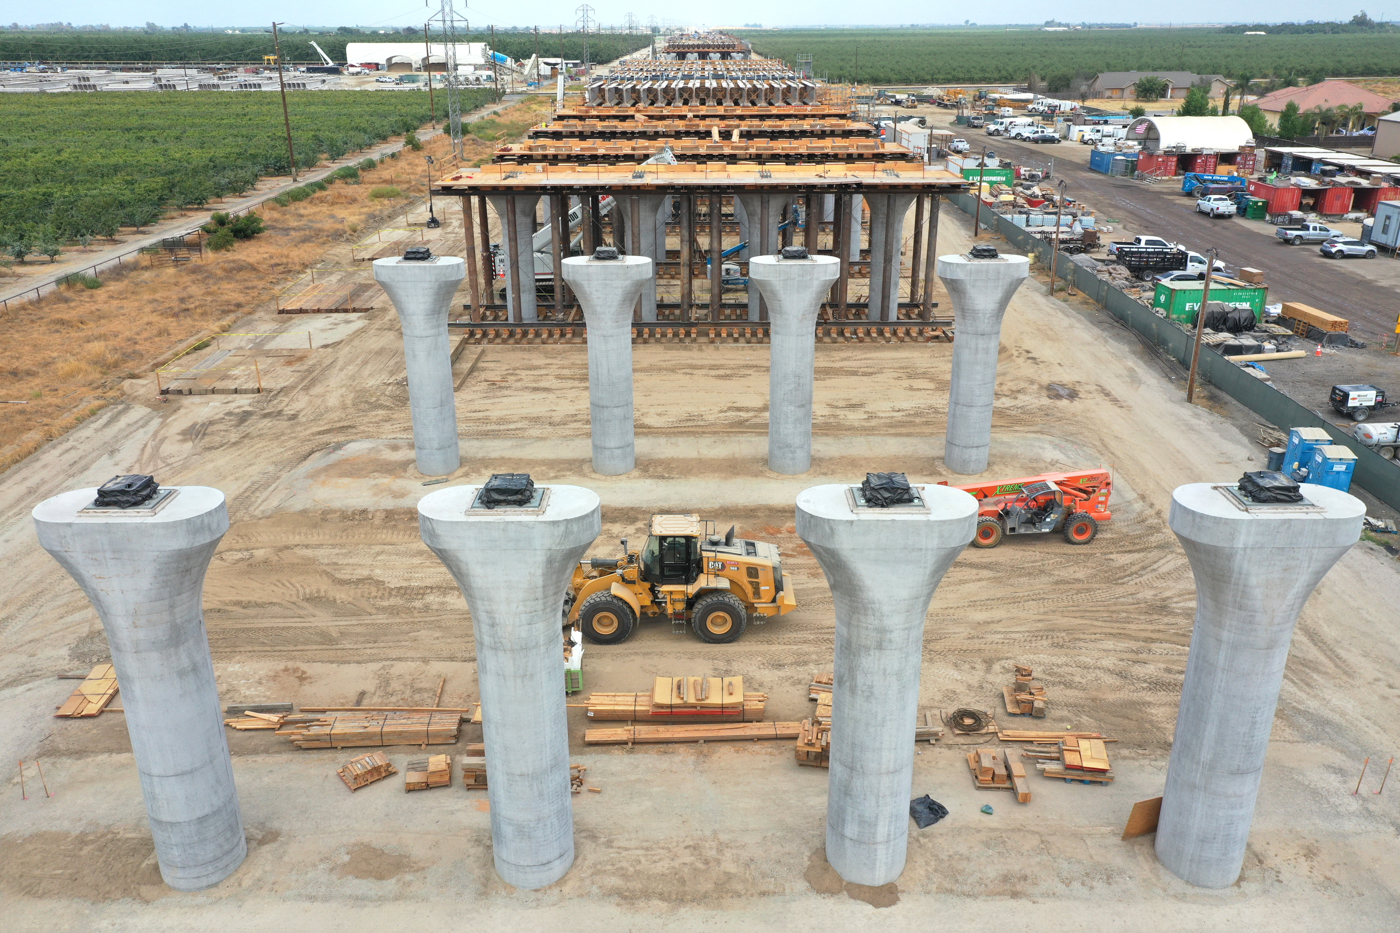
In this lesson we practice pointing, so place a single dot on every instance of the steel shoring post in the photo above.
(488, 271)
(469, 247)
(889, 281)
(838, 246)
(764, 219)
(810, 228)
(716, 259)
(585, 223)
(687, 238)
(634, 245)
(595, 219)
(917, 251)
(1200, 326)
(513, 260)
(931, 254)
(559, 219)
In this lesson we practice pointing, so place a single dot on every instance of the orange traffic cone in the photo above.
(1319, 350)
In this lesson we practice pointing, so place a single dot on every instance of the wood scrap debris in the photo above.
(993, 770)
(255, 720)
(691, 732)
(576, 773)
(91, 696)
(243, 709)
(814, 739)
(821, 685)
(1025, 697)
(1029, 735)
(1143, 820)
(366, 770)
(423, 773)
(681, 699)
(474, 771)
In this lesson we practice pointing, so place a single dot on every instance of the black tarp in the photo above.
(1267, 486)
(926, 811)
(508, 489)
(882, 490)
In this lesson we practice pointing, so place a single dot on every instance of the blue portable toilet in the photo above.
(1301, 442)
(1332, 465)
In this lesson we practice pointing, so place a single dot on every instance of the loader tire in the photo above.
(605, 619)
(1080, 528)
(719, 618)
(989, 532)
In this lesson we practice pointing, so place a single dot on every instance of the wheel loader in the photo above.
(686, 573)
(1070, 503)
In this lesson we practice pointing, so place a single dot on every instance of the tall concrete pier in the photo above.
(1255, 566)
(887, 213)
(607, 291)
(422, 294)
(883, 566)
(143, 570)
(513, 565)
(794, 290)
(981, 289)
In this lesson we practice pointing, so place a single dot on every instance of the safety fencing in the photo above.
(1377, 475)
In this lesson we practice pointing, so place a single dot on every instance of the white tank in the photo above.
(1379, 434)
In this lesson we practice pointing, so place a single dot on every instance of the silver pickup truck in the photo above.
(1306, 233)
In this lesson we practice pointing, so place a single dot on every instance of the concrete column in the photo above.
(883, 566)
(853, 225)
(886, 236)
(513, 565)
(763, 240)
(144, 571)
(422, 294)
(794, 290)
(649, 208)
(524, 258)
(607, 290)
(1255, 568)
(980, 290)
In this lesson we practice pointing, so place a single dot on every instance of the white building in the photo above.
(413, 56)
(1190, 134)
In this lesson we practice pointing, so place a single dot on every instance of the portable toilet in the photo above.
(1332, 465)
(1301, 442)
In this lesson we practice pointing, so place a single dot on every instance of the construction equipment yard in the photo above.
(322, 592)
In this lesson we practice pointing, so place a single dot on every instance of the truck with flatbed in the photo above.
(1299, 234)
(1148, 256)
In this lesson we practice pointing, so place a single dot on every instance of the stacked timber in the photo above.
(92, 695)
(423, 773)
(377, 728)
(1025, 697)
(633, 734)
(814, 735)
(992, 770)
(814, 744)
(681, 699)
(474, 771)
(366, 770)
(1302, 318)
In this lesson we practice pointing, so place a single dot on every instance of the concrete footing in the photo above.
(794, 290)
(981, 289)
(1255, 567)
(607, 291)
(422, 294)
(144, 572)
(513, 565)
(883, 566)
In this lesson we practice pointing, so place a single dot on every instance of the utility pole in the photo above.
(1200, 326)
(495, 67)
(427, 66)
(1055, 250)
(282, 86)
(977, 215)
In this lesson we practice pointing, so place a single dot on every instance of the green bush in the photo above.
(282, 200)
(222, 240)
(348, 173)
(82, 279)
(387, 192)
(246, 227)
(316, 185)
(299, 193)
(365, 165)
(411, 141)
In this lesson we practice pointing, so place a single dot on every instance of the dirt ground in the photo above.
(322, 589)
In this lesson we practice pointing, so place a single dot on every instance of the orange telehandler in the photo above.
(1070, 503)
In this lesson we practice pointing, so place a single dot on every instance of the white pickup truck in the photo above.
(1306, 233)
(1383, 437)
(1216, 205)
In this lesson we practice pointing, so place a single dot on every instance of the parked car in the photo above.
(1344, 246)
(1216, 205)
(1182, 275)
(385, 79)
(1045, 136)
(975, 122)
(1309, 232)
(959, 145)
(1357, 401)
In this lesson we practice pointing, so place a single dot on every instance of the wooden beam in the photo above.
(512, 238)
(931, 256)
(470, 249)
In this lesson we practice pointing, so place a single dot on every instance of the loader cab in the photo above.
(1039, 508)
(671, 555)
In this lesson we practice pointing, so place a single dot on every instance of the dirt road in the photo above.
(322, 589)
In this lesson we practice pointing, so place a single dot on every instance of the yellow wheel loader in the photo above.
(686, 573)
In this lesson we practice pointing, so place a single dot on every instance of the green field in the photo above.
(18, 46)
(982, 56)
(81, 164)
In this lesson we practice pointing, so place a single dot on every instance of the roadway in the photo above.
(1366, 292)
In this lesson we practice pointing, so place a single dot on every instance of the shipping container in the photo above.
(1367, 198)
(1205, 162)
(1333, 202)
(1162, 166)
(1280, 198)
(1100, 161)
(990, 176)
(1386, 230)
(1181, 300)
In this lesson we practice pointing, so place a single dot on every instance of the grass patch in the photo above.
(388, 191)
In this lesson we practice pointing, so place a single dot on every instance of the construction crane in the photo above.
(327, 67)
(1070, 503)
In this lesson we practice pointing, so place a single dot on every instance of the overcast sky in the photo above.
(389, 13)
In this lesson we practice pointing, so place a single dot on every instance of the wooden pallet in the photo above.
(92, 695)
(423, 773)
(365, 770)
(325, 298)
(687, 732)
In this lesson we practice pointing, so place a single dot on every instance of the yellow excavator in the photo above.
(685, 572)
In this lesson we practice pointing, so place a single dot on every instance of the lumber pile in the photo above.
(243, 709)
(92, 695)
(821, 687)
(1073, 759)
(576, 773)
(681, 699)
(633, 734)
(814, 744)
(1025, 697)
(423, 773)
(253, 719)
(474, 771)
(1303, 317)
(1028, 735)
(993, 770)
(358, 729)
(366, 770)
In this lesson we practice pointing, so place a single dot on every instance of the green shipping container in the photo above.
(1181, 300)
(990, 176)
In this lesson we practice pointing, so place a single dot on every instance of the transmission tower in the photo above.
(452, 27)
(585, 20)
(629, 23)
